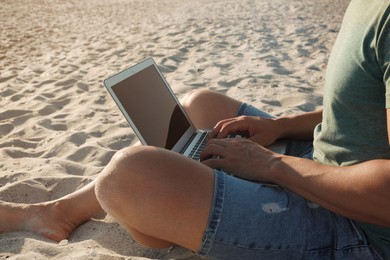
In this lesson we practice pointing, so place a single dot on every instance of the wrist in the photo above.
(277, 169)
(283, 127)
(299, 126)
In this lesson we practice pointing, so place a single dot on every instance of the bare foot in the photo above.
(47, 219)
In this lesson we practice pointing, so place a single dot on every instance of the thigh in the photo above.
(206, 108)
(262, 221)
(158, 193)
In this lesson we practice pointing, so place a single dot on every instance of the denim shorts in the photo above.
(251, 220)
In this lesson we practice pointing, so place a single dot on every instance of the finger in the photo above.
(214, 133)
(219, 142)
(214, 163)
(212, 150)
(233, 127)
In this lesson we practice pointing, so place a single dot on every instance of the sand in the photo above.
(59, 127)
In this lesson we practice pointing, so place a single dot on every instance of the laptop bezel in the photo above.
(126, 73)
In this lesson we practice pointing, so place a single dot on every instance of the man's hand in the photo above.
(240, 157)
(263, 131)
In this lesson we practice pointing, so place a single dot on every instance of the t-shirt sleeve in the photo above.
(384, 53)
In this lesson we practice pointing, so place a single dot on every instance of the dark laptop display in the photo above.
(156, 115)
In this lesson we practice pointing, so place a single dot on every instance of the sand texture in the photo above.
(59, 127)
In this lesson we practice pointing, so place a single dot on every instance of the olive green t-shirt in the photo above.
(356, 96)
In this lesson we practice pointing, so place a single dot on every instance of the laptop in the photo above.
(153, 111)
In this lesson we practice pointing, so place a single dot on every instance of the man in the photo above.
(334, 206)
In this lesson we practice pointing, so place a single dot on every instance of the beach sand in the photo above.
(59, 127)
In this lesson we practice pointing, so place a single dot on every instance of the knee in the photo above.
(197, 98)
(122, 176)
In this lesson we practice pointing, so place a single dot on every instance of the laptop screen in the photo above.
(152, 108)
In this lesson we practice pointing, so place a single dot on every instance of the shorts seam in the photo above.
(242, 109)
(215, 214)
(300, 251)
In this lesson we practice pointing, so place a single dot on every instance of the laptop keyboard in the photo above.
(201, 143)
(198, 148)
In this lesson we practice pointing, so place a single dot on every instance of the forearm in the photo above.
(359, 192)
(299, 126)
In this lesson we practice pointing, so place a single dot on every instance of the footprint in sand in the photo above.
(6, 129)
(47, 123)
(47, 110)
(17, 153)
(20, 143)
(13, 113)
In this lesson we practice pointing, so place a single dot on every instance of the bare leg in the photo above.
(206, 108)
(181, 191)
(57, 219)
(161, 197)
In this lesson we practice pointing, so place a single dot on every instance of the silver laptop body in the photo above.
(153, 111)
